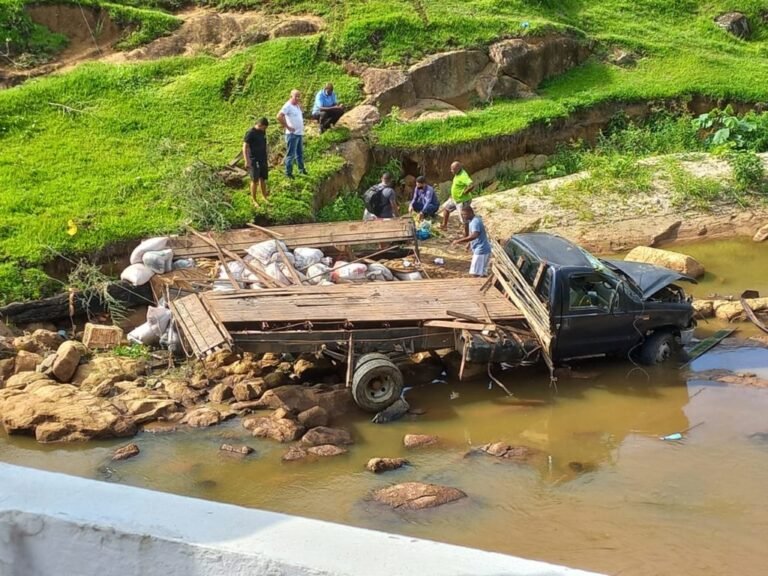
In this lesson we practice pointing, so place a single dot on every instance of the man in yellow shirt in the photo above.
(461, 195)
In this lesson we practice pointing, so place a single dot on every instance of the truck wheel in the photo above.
(657, 348)
(370, 356)
(376, 384)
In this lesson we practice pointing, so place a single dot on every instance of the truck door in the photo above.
(596, 316)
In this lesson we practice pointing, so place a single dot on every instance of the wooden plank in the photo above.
(539, 275)
(456, 325)
(200, 329)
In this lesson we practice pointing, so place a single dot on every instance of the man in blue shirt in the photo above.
(327, 109)
(424, 201)
(478, 242)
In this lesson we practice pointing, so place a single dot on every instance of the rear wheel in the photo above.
(376, 384)
(657, 348)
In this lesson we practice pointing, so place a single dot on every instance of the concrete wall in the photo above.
(52, 524)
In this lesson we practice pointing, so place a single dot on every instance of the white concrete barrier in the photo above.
(57, 525)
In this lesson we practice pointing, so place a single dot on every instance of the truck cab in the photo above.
(603, 307)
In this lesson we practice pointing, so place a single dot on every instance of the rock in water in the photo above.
(327, 450)
(377, 465)
(323, 435)
(419, 440)
(126, 452)
(673, 260)
(239, 450)
(280, 429)
(509, 452)
(417, 495)
(392, 413)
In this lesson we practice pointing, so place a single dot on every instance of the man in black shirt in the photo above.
(255, 154)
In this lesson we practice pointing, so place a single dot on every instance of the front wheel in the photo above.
(376, 384)
(657, 348)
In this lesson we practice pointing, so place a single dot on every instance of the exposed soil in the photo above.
(612, 222)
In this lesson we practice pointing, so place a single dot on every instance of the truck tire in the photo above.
(657, 348)
(368, 357)
(376, 384)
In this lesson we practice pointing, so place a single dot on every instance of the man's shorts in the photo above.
(479, 265)
(450, 206)
(259, 170)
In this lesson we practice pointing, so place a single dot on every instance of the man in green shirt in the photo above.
(461, 195)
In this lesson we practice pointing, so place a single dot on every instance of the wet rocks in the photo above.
(126, 452)
(506, 451)
(281, 429)
(246, 390)
(324, 435)
(378, 465)
(326, 450)
(314, 417)
(241, 450)
(202, 417)
(673, 260)
(393, 412)
(294, 453)
(275, 379)
(734, 23)
(419, 440)
(761, 235)
(220, 393)
(417, 495)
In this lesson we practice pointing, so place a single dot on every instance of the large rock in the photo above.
(293, 398)
(378, 465)
(39, 341)
(337, 402)
(449, 75)
(275, 380)
(295, 27)
(26, 361)
(509, 452)
(429, 109)
(673, 260)
(357, 156)
(312, 367)
(245, 390)
(730, 311)
(126, 452)
(314, 417)
(66, 361)
(220, 393)
(324, 435)
(419, 440)
(55, 412)
(102, 368)
(360, 119)
(325, 450)
(736, 23)
(23, 379)
(280, 429)
(387, 88)
(417, 495)
(761, 235)
(532, 60)
(202, 417)
(181, 391)
(146, 409)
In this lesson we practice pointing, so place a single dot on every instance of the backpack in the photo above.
(373, 198)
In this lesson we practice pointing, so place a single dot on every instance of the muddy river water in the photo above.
(608, 495)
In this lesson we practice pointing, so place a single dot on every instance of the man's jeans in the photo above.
(295, 152)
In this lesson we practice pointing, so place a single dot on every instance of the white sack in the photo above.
(158, 243)
(137, 274)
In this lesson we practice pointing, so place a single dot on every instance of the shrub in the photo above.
(748, 171)
(17, 283)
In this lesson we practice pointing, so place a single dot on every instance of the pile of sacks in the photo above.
(152, 257)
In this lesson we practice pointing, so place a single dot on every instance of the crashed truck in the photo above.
(546, 299)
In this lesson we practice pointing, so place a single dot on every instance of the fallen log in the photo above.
(58, 307)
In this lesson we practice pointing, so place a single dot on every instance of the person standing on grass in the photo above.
(424, 201)
(380, 200)
(255, 155)
(327, 109)
(291, 118)
(478, 242)
(461, 195)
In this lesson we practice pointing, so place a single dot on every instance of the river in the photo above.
(608, 494)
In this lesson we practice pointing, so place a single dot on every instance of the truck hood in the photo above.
(649, 278)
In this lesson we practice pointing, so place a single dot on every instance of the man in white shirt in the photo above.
(292, 120)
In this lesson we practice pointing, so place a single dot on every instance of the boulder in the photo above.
(220, 393)
(360, 119)
(269, 361)
(295, 27)
(247, 366)
(26, 361)
(202, 417)
(246, 390)
(449, 75)
(704, 308)
(314, 417)
(146, 409)
(126, 452)
(312, 367)
(729, 311)
(39, 341)
(293, 398)
(220, 359)
(294, 453)
(377, 465)
(337, 402)
(280, 429)
(429, 109)
(388, 88)
(60, 412)
(761, 235)
(324, 435)
(735, 23)
(24, 379)
(533, 60)
(417, 495)
(419, 440)
(673, 260)
(357, 155)
(66, 362)
(181, 391)
(275, 380)
(101, 368)
(6, 369)
(326, 450)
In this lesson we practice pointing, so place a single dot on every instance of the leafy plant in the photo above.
(136, 351)
(722, 128)
(748, 171)
(348, 205)
(92, 285)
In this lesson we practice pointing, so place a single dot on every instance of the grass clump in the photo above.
(18, 283)
(92, 285)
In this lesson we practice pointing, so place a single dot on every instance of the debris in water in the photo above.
(679, 435)
(392, 413)
(454, 395)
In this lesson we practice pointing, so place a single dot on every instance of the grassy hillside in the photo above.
(106, 146)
